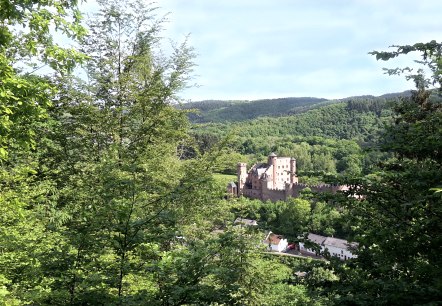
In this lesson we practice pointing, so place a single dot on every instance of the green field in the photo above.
(224, 179)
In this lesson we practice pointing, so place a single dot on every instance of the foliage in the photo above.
(219, 111)
(295, 217)
(103, 207)
(397, 217)
(234, 111)
(108, 196)
(24, 97)
(333, 139)
(339, 120)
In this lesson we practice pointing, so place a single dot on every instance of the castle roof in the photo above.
(272, 154)
(231, 184)
(259, 165)
(259, 169)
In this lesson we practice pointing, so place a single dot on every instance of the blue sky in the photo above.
(252, 49)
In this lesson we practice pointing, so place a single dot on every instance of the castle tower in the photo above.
(293, 177)
(272, 161)
(241, 172)
(232, 190)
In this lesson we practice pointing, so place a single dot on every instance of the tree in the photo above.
(23, 96)
(123, 182)
(104, 187)
(397, 216)
(293, 218)
(24, 100)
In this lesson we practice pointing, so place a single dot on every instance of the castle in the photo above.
(275, 180)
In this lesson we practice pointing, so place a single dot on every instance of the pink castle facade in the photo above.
(275, 180)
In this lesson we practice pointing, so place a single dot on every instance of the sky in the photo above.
(256, 49)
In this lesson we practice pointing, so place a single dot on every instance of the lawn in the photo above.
(224, 179)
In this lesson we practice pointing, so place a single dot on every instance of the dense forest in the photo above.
(236, 110)
(221, 111)
(339, 138)
(109, 193)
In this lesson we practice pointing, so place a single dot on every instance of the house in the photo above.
(246, 222)
(334, 246)
(275, 180)
(275, 242)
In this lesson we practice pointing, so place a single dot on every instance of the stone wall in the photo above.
(252, 193)
(291, 190)
(273, 195)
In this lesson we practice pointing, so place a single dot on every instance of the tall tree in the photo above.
(26, 40)
(24, 97)
(115, 162)
(398, 215)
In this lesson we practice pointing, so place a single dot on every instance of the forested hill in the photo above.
(237, 110)
(327, 139)
(241, 110)
(358, 120)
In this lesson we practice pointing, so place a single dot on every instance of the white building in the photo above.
(335, 247)
(275, 242)
(246, 222)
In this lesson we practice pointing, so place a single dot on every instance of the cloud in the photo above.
(291, 47)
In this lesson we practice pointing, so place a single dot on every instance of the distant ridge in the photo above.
(406, 93)
(241, 110)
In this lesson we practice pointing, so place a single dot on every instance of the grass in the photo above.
(224, 179)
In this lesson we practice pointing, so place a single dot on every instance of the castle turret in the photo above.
(232, 189)
(241, 171)
(293, 177)
(272, 161)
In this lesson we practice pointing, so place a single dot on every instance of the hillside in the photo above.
(330, 138)
(218, 111)
(352, 120)
(234, 111)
